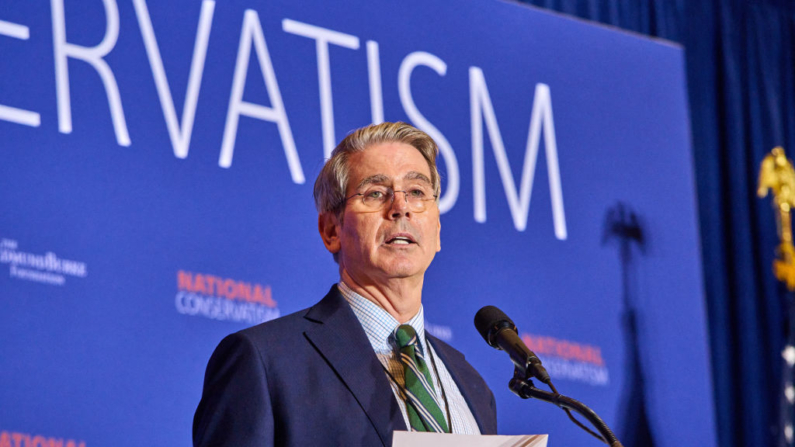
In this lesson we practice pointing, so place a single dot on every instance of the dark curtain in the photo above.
(740, 75)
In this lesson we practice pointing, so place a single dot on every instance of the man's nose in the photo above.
(399, 206)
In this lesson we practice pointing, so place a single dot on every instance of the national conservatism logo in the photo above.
(569, 360)
(228, 299)
(19, 439)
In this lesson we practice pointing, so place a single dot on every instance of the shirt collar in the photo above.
(378, 324)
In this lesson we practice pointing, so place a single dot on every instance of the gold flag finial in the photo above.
(778, 175)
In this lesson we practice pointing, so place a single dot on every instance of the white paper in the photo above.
(424, 439)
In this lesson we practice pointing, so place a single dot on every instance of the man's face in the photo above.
(394, 242)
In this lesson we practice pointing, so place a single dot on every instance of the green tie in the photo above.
(421, 405)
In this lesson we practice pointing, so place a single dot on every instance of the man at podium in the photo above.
(357, 365)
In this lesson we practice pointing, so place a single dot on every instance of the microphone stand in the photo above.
(524, 388)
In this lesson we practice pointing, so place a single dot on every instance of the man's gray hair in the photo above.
(332, 182)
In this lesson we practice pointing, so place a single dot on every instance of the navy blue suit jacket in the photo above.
(312, 378)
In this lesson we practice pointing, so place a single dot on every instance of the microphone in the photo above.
(500, 333)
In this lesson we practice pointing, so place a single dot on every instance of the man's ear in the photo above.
(439, 236)
(329, 226)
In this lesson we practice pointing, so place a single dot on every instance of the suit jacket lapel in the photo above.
(342, 341)
(467, 380)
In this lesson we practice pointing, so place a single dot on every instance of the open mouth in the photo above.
(400, 240)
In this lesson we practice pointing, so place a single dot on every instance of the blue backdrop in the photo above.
(157, 196)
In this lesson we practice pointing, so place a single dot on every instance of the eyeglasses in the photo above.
(377, 197)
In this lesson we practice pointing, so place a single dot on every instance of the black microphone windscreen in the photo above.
(488, 319)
